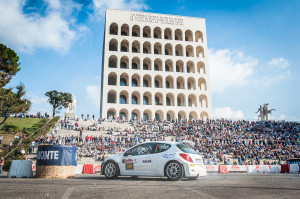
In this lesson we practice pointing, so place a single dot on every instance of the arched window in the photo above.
(167, 68)
(146, 32)
(168, 49)
(134, 66)
(134, 115)
(156, 100)
(168, 33)
(145, 67)
(145, 100)
(156, 84)
(145, 83)
(199, 36)
(122, 99)
(111, 97)
(146, 116)
(112, 62)
(113, 29)
(122, 115)
(188, 35)
(123, 65)
(167, 84)
(112, 79)
(135, 31)
(123, 49)
(157, 48)
(178, 50)
(169, 65)
(157, 33)
(111, 113)
(189, 51)
(125, 30)
(124, 46)
(134, 83)
(134, 100)
(147, 48)
(178, 34)
(134, 50)
(113, 45)
(123, 82)
(168, 117)
(168, 102)
(135, 47)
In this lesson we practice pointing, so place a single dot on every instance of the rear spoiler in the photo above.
(187, 142)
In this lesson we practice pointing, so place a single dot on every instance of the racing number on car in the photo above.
(129, 164)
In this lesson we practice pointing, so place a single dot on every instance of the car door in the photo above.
(144, 159)
(128, 162)
(160, 155)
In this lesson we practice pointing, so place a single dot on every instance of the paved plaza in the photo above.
(209, 187)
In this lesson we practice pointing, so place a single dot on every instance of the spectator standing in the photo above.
(10, 144)
(1, 164)
(1, 137)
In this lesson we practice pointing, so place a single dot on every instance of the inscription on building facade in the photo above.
(137, 17)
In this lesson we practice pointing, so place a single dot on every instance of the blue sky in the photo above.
(254, 49)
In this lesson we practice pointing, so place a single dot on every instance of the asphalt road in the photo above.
(211, 186)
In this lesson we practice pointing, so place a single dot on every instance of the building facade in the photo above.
(155, 66)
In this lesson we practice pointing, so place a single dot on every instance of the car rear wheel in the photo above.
(174, 170)
(111, 170)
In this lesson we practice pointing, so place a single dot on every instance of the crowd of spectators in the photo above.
(219, 141)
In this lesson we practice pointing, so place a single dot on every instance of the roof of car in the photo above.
(170, 142)
(165, 142)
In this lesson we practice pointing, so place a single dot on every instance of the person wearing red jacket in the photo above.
(1, 164)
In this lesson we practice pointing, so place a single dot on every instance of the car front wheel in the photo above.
(174, 170)
(111, 170)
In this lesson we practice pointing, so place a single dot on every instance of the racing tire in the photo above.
(174, 170)
(111, 170)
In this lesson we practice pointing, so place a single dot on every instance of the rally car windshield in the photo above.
(186, 148)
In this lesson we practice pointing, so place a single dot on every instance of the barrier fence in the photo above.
(222, 169)
(252, 169)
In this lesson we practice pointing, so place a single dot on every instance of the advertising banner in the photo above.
(56, 155)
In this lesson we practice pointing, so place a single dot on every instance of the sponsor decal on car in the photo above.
(168, 155)
(129, 164)
(146, 161)
(123, 161)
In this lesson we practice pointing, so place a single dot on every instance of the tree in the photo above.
(9, 64)
(13, 103)
(58, 100)
(10, 102)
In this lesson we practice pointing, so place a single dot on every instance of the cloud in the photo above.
(279, 63)
(55, 29)
(227, 113)
(282, 117)
(233, 69)
(229, 68)
(101, 5)
(270, 79)
(39, 104)
(93, 94)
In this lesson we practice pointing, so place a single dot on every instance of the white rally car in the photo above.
(174, 160)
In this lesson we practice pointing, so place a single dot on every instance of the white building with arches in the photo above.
(155, 66)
